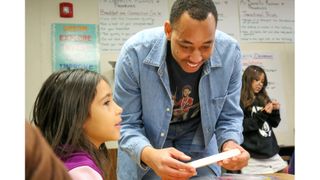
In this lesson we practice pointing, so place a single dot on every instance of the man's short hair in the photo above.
(197, 9)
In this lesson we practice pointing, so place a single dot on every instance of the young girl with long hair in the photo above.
(261, 114)
(76, 113)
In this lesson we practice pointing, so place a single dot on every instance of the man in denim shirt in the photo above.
(161, 129)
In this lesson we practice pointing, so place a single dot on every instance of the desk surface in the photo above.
(282, 176)
(273, 176)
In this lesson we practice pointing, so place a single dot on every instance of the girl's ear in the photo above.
(84, 125)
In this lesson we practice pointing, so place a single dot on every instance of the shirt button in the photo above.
(162, 134)
(168, 109)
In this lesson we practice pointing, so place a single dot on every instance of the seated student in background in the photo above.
(40, 160)
(291, 164)
(260, 115)
(76, 113)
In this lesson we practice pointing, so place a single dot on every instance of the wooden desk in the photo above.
(282, 176)
(278, 176)
(112, 154)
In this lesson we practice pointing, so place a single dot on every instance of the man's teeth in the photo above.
(192, 65)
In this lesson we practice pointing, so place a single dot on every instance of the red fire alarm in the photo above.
(66, 10)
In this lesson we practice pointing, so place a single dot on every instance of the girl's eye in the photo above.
(107, 103)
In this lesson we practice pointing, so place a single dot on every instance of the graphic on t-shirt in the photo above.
(183, 105)
(265, 130)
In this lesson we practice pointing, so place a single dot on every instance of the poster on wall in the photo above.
(267, 21)
(119, 20)
(75, 46)
(228, 17)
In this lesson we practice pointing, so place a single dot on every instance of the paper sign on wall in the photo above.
(75, 46)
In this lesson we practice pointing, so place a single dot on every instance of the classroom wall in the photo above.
(40, 14)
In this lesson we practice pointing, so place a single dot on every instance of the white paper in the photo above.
(214, 158)
(228, 17)
(267, 21)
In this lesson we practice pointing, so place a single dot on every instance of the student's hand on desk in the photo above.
(236, 162)
(167, 163)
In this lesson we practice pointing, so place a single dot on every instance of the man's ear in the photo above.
(168, 30)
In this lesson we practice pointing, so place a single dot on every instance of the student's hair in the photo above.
(197, 9)
(248, 96)
(62, 107)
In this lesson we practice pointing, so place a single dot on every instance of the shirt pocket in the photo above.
(219, 101)
(217, 105)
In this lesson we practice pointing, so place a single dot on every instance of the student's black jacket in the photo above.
(259, 146)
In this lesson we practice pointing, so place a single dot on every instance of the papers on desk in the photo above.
(214, 158)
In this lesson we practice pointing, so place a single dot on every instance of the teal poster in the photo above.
(75, 46)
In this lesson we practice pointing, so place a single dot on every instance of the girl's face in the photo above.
(257, 84)
(103, 123)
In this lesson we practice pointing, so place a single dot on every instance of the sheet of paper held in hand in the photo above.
(214, 158)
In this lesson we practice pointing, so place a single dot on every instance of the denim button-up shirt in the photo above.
(142, 89)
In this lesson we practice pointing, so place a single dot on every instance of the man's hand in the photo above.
(236, 162)
(167, 163)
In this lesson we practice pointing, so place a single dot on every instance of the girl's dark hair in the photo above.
(61, 108)
(197, 9)
(248, 96)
